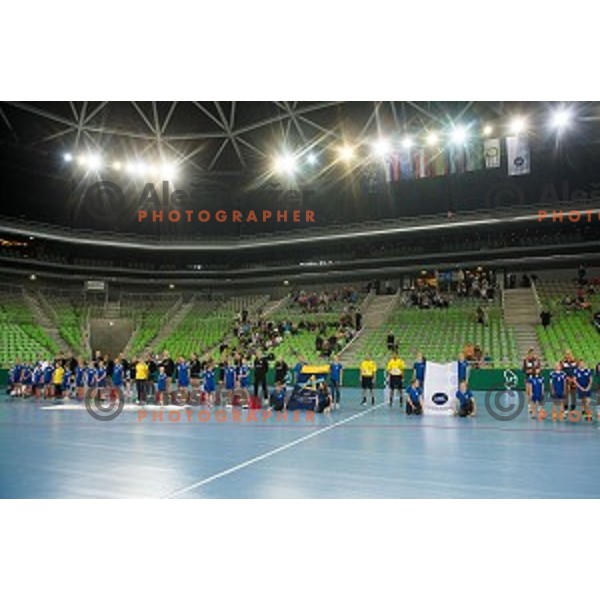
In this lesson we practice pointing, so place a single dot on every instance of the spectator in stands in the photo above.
(477, 357)
(391, 341)
(545, 317)
(480, 315)
(358, 320)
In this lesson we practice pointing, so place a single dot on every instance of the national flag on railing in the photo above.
(456, 156)
(439, 164)
(474, 158)
(421, 164)
(406, 170)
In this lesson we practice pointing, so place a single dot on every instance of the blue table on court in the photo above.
(374, 452)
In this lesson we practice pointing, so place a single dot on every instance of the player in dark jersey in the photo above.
(419, 369)
(413, 400)
(583, 381)
(336, 375)
(536, 391)
(183, 378)
(161, 386)
(569, 364)
(210, 385)
(558, 389)
(530, 363)
(466, 402)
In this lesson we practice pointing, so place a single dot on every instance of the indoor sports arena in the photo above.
(299, 299)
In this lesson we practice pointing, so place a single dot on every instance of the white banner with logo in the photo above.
(439, 393)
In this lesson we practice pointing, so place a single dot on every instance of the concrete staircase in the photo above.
(375, 315)
(44, 317)
(522, 313)
(271, 306)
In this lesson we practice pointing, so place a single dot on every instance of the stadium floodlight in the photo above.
(94, 162)
(311, 159)
(167, 171)
(381, 147)
(67, 157)
(407, 143)
(346, 153)
(171, 286)
(33, 277)
(459, 135)
(488, 130)
(561, 118)
(432, 138)
(518, 125)
(116, 165)
(82, 161)
(286, 164)
(140, 168)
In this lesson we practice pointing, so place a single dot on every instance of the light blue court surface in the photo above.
(352, 453)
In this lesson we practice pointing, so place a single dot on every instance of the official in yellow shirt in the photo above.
(368, 370)
(142, 373)
(395, 372)
(57, 380)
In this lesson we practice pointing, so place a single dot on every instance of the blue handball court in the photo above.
(49, 451)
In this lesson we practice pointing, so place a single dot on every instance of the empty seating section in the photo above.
(441, 333)
(19, 336)
(570, 328)
(69, 313)
(149, 315)
(200, 330)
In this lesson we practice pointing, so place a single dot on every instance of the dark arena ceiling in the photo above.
(232, 155)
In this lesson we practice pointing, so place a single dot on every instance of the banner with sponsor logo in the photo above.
(439, 393)
(518, 156)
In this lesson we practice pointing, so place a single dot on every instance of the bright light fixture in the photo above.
(381, 147)
(518, 125)
(346, 153)
(432, 139)
(459, 135)
(561, 118)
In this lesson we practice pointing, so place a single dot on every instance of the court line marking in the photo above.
(261, 457)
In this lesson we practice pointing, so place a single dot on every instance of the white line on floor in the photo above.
(270, 453)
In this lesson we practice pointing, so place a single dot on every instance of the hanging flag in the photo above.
(456, 156)
(518, 155)
(474, 158)
(406, 171)
(387, 168)
(420, 163)
(491, 153)
(439, 165)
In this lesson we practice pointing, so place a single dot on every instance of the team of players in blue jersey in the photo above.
(570, 384)
(163, 380)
